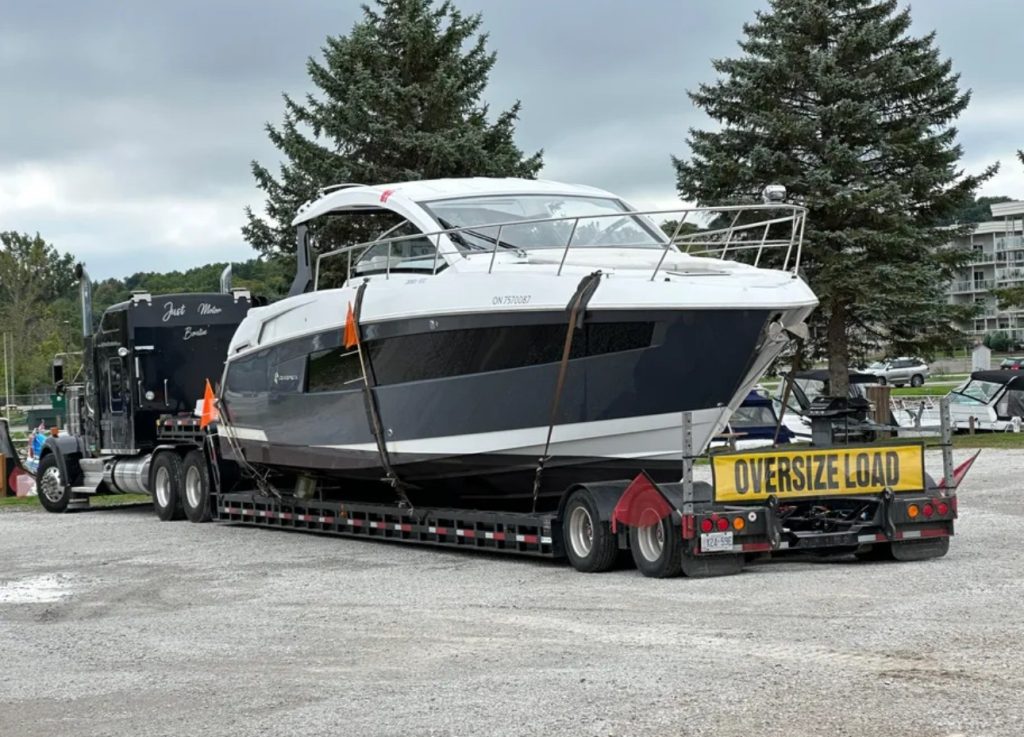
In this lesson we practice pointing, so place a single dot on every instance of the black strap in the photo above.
(372, 408)
(788, 388)
(577, 311)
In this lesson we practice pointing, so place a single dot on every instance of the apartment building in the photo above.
(998, 247)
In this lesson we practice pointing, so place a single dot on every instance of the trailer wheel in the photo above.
(53, 489)
(589, 542)
(196, 499)
(657, 547)
(167, 482)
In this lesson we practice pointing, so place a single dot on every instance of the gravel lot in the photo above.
(113, 623)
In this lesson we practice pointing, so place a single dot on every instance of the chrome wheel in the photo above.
(651, 538)
(162, 487)
(581, 531)
(193, 487)
(51, 485)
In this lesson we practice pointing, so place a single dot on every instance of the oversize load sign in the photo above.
(792, 474)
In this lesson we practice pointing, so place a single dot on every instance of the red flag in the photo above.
(960, 471)
(209, 411)
(641, 504)
(351, 329)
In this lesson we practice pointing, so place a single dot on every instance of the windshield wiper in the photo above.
(457, 236)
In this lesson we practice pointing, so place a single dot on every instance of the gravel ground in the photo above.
(113, 623)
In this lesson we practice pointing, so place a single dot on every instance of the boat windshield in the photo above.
(760, 415)
(975, 391)
(603, 222)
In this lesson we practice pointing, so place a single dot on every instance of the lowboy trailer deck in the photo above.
(874, 501)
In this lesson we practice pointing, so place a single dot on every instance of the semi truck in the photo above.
(134, 426)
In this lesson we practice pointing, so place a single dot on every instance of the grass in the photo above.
(108, 500)
(920, 391)
(990, 440)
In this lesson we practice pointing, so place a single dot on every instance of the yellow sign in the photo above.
(808, 472)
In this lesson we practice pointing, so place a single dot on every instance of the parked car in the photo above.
(1013, 364)
(900, 371)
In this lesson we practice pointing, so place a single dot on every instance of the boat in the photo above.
(505, 338)
(989, 400)
(806, 386)
(754, 424)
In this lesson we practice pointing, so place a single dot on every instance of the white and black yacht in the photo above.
(506, 324)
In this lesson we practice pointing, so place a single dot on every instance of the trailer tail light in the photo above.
(723, 524)
(738, 523)
(928, 510)
(913, 511)
(943, 508)
(706, 525)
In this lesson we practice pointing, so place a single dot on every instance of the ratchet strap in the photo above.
(370, 401)
(577, 311)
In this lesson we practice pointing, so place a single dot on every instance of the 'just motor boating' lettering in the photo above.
(205, 308)
(172, 311)
(191, 333)
(811, 472)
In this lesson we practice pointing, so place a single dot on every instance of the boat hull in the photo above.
(465, 410)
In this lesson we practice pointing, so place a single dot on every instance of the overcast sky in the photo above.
(126, 129)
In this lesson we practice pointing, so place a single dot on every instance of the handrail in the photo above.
(757, 228)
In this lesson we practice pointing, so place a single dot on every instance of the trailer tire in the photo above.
(657, 548)
(196, 487)
(167, 480)
(589, 542)
(53, 489)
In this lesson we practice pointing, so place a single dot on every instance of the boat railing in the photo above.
(769, 235)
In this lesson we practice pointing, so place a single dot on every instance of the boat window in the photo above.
(1011, 404)
(975, 391)
(459, 352)
(604, 221)
(406, 253)
(753, 416)
(248, 375)
(334, 370)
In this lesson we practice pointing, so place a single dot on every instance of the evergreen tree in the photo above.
(400, 99)
(835, 100)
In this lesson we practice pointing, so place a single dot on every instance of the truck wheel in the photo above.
(917, 380)
(54, 492)
(167, 482)
(196, 499)
(657, 548)
(589, 542)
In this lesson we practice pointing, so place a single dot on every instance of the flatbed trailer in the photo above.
(876, 502)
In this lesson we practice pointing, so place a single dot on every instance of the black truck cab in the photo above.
(151, 357)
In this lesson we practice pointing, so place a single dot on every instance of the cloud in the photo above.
(128, 128)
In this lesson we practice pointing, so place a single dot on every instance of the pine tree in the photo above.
(400, 99)
(836, 101)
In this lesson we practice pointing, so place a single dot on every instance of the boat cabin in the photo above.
(994, 399)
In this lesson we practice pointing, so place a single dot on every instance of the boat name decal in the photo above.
(284, 377)
(511, 299)
(205, 308)
(173, 311)
(191, 332)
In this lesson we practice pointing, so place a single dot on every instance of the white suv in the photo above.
(900, 371)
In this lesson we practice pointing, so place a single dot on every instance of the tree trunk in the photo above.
(838, 350)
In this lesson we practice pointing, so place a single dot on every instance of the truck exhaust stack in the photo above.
(85, 294)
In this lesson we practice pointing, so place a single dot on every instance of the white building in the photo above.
(998, 247)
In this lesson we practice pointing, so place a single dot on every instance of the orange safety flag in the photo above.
(351, 329)
(210, 413)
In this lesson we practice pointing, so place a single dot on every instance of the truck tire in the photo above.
(196, 497)
(167, 482)
(53, 489)
(917, 380)
(589, 542)
(657, 548)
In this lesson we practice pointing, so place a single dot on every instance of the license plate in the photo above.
(716, 542)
